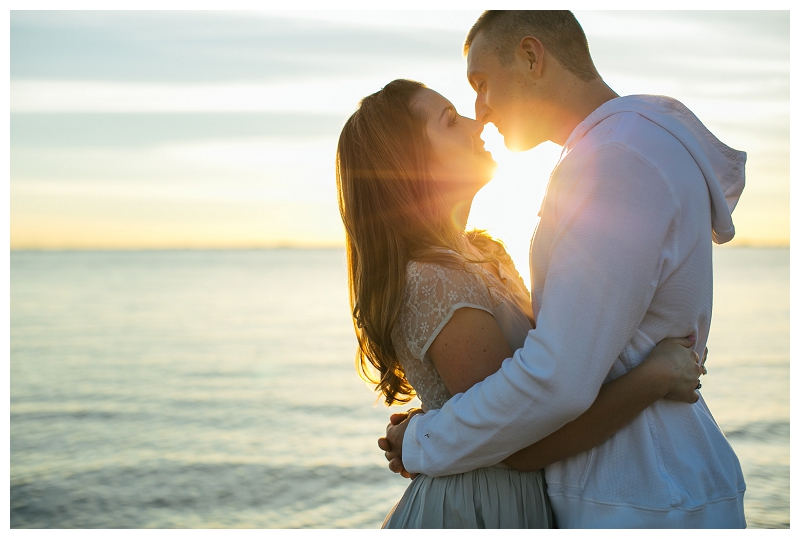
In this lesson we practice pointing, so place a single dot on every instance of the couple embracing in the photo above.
(591, 378)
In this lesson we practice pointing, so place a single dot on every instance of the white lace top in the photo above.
(433, 293)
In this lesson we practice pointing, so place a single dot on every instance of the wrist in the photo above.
(658, 375)
(411, 451)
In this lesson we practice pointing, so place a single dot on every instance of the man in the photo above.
(621, 259)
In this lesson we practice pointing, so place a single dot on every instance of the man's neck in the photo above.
(577, 100)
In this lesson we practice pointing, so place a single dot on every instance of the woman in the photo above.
(438, 309)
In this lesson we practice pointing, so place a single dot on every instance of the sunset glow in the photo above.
(218, 129)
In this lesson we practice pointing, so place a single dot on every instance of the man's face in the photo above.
(506, 96)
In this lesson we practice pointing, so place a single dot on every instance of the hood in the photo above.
(721, 165)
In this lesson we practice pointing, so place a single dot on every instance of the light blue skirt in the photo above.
(493, 497)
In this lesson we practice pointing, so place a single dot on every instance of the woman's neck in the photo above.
(460, 213)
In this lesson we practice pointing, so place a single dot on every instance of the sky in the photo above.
(178, 129)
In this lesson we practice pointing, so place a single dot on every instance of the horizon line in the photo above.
(747, 245)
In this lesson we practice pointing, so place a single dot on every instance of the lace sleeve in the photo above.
(433, 294)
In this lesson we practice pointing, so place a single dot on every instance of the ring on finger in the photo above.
(699, 385)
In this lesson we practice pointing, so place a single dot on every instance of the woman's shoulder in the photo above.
(451, 271)
(434, 291)
(429, 269)
(434, 285)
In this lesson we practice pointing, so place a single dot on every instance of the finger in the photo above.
(705, 357)
(398, 418)
(391, 455)
(705, 371)
(686, 342)
(405, 474)
(384, 444)
(394, 421)
(396, 465)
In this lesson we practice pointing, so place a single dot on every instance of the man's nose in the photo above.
(481, 109)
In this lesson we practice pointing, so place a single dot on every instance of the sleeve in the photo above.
(614, 215)
(433, 294)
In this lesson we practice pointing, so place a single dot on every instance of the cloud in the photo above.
(300, 169)
(696, 49)
(190, 111)
(339, 95)
(139, 130)
(205, 47)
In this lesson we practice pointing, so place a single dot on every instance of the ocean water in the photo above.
(205, 389)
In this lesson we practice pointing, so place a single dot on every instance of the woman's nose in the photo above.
(476, 127)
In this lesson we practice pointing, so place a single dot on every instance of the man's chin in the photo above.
(514, 144)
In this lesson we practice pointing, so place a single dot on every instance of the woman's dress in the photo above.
(492, 497)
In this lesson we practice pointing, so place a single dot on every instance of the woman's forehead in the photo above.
(431, 101)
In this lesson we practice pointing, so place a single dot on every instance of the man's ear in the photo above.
(531, 51)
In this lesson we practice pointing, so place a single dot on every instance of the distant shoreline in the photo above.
(273, 248)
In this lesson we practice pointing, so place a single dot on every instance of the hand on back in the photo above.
(680, 368)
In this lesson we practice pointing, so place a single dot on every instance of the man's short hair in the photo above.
(559, 32)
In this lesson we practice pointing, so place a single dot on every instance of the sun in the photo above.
(508, 206)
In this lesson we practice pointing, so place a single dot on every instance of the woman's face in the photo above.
(461, 165)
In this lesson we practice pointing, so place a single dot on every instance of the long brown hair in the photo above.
(393, 212)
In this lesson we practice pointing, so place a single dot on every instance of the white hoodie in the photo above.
(621, 259)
